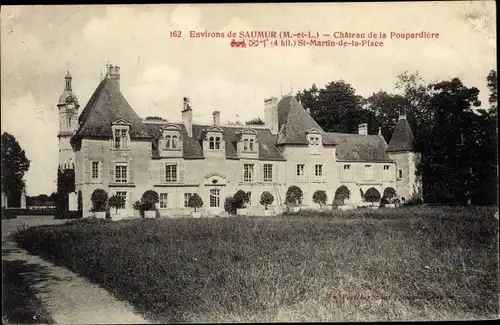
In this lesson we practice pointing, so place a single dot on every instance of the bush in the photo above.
(229, 205)
(149, 200)
(99, 200)
(383, 202)
(342, 194)
(415, 200)
(389, 193)
(195, 201)
(320, 197)
(372, 195)
(266, 199)
(117, 202)
(240, 199)
(294, 195)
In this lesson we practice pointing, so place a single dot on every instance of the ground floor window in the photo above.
(214, 198)
(249, 195)
(163, 200)
(123, 195)
(187, 196)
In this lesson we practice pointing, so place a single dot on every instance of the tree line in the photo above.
(457, 143)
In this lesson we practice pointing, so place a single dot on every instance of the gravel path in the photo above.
(69, 298)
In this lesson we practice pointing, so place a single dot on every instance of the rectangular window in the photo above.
(121, 139)
(300, 170)
(95, 170)
(187, 196)
(386, 167)
(318, 170)
(249, 195)
(163, 200)
(248, 172)
(268, 172)
(170, 173)
(121, 172)
(400, 173)
(347, 167)
(123, 195)
(214, 198)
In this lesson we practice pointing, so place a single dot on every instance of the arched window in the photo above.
(217, 143)
(167, 142)
(69, 122)
(245, 144)
(251, 144)
(212, 144)
(174, 142)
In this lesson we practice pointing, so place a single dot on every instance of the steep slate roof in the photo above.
(193, 148)
(105, 106)
(402, 137)
(356, 147)
(294, 121)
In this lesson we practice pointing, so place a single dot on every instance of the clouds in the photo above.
(157, 70)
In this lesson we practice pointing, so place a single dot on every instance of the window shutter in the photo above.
(180, 171)
(161, 170)
(88, 171)
(131, 199)
(154, 172)
(111, 171)
(131, 171)
(100, 172)
(257, 175)
(111, 142)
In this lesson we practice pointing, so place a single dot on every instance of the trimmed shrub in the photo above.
(342, 194)
(266, 199)
(229, 205)
(240, 199)
(372, 195)
(389, 193)
(383, 202)
(195, 201)
(294, 195)
(149, 200)
(99, 200)
(117, 202)
(320, 197)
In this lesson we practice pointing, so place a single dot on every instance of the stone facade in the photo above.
(113, 149)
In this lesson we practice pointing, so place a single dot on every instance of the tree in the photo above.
(149, 200)
(240, 199)
(117, 202)
(320, 197)
(99, 200)
(493, 87)
(372, 195)
(342, 194)
(266, 199)
(255, 121)
(14, 166)
(65, 185)
(336, 108)
(229, 205)
(386, 108)
(195, 201)
(294, 195)
(389, 193)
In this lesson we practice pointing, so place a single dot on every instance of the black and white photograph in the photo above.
(249, 163)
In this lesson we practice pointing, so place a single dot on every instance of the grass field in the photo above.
(388, 264)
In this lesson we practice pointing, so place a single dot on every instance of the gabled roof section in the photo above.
(193, 147)
(402, 138)
(359, 148)
(106, 106)
(121, 122)
(294, 122)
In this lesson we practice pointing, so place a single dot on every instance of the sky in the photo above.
(38, 43)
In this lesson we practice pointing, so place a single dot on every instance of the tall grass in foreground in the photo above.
(430, 263)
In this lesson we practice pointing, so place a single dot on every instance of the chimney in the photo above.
(271, 114)
(187, 117)
(114, 73)
(216, 115)
(363, 129)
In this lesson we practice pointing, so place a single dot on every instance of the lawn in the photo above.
(372, 265)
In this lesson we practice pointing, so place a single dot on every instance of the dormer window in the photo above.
(314, 139)
(214, 143)
(170, 138)
(251, 144)
(248, 137)
(121, 135)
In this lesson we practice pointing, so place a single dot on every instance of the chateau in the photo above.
(111, 147)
